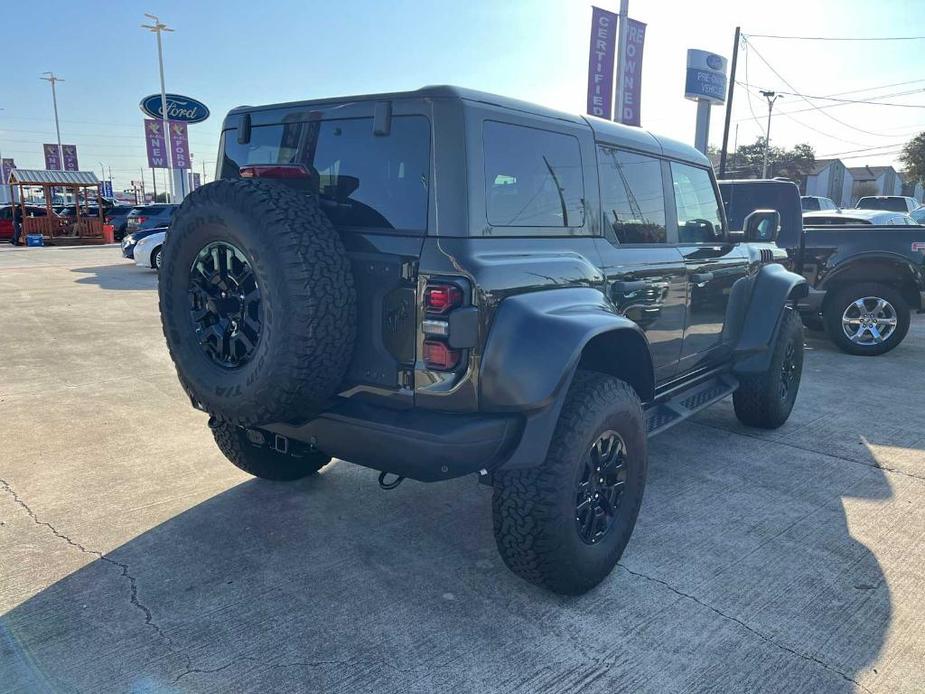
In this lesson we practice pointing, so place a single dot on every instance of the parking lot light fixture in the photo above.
(52, 79)
(158, 27)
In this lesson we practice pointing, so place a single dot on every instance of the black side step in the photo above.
(664, 414)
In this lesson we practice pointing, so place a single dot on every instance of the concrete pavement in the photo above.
(133, 557)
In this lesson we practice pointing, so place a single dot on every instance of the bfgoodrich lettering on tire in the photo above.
(565, 523)
(257, 301)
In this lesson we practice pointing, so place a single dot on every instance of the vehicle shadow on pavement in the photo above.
(124, 275)
(743, 575)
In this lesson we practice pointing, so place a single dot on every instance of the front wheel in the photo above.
(250, 450)
(867, 319)
(156, 259)
(766, 399)
(564, 524)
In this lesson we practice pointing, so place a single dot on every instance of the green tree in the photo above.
(913, 159)
(748, 161)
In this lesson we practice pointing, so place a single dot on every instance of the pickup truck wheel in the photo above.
(257, 301)
(564, 524)
(249, 450)
(867, 319)
(765, 400)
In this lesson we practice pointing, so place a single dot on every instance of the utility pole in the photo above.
(158, 28)
(732, 86)
(54, 99)
(771, 97)
(621, 46)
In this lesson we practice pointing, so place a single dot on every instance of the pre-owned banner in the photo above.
(631, 67)
(600, 62)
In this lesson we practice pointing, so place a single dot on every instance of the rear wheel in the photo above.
(252, 450)
(564, 524)
(156, 259)
(867, 319)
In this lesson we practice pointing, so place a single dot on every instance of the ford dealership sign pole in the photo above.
(157, 28)
(705, 84)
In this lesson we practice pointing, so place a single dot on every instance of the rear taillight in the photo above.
(439, 357)
(442, 298)
(275, 171)
(141, 220)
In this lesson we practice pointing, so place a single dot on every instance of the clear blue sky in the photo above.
(237, 52)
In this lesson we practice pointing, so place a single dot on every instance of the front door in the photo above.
(646, 275)
(713, 264)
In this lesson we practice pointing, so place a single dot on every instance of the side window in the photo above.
(632, 196)
(532, 177)
(699, 219)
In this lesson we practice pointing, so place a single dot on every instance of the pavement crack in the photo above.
(124, 569)
(752, 630)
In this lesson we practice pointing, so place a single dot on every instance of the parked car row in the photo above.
(123, 218)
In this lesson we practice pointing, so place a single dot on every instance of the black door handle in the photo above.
(628, 289)
(701, 278)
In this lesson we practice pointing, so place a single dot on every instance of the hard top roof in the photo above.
(616, 133)
(853, 212)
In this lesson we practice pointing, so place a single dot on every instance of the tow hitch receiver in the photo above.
(389, 485)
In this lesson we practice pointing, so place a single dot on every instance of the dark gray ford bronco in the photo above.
(444, 282)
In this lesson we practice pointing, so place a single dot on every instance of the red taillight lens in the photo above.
(275, 171)
(439, 357)
(440, 298)
(141, 220)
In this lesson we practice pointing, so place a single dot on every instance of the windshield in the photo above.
(891, 204)
(809, 204)
(362, 179)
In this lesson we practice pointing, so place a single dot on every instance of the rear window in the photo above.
(809, 204)
(532, 177)
(890, 204)
(362, 179)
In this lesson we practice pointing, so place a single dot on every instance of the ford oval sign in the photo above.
(181, 108)
(714, 62)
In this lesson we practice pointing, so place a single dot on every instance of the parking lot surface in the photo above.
(135, 558)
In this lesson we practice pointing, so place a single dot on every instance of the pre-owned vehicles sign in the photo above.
(179, 108)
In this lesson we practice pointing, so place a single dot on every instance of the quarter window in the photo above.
(532, 177)
(632, 196)
(699, 219)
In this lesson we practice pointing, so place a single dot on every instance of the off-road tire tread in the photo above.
(524, 501)
(320, 315)
(264, 462)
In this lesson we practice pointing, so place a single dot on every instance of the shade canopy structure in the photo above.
(80, 229)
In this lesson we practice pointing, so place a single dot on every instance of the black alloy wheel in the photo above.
(601, 481)
(225, 304)
(790, 371)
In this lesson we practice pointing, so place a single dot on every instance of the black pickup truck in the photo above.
(865, 280)
(446, 282)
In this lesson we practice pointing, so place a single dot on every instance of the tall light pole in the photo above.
(54, 99)
(621, 44)
(771, 97)
(157, 28)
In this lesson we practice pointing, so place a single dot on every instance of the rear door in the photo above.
(646, 275)
(713, 264)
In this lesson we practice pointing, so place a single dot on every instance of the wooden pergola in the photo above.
(82, 229)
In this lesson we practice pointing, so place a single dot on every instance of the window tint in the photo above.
(361, 179)
(699, 219)
(532, 177)
(632, 196)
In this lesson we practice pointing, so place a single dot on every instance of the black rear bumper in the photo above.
(419, 444)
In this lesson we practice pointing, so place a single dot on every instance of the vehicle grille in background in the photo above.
(767, 256)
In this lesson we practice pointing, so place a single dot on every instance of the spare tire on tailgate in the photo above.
(257, 301)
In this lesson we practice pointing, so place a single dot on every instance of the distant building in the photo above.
(828, 180)
(914, 190)
(874, 180)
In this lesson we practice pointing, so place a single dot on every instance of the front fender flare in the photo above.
(774, 286)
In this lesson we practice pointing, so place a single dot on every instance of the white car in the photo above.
(148, 250)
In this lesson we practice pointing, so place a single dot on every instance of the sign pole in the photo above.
(732, 86)
(702, 129)
(158, 28)
(621, 49)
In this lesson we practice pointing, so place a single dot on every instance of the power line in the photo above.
(866, 149)
(862, 101)
(836, 38)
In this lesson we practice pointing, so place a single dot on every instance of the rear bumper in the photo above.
(419, 444)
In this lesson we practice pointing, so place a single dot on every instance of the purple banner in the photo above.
(196, 181)
(70, 157)
(52, 160)
(157, 148)
(600, 62)
(6, 166)
(179, 145)
(631, 65)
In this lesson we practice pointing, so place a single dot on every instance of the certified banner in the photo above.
(631, 66)
(600, 62)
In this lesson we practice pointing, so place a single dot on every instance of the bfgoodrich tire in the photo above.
(596, 464)
(257, 301)
(867, 319)
(250, 450)
(766, 399)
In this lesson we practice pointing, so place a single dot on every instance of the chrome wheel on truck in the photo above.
(867, 318)
(869, 321)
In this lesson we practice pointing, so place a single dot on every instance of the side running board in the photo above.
(664, 414)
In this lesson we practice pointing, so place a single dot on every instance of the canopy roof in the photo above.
(38, 177)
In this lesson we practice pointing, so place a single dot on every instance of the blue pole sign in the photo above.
(706, 77)
(179, 108)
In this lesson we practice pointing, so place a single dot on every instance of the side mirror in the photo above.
(762, 226)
